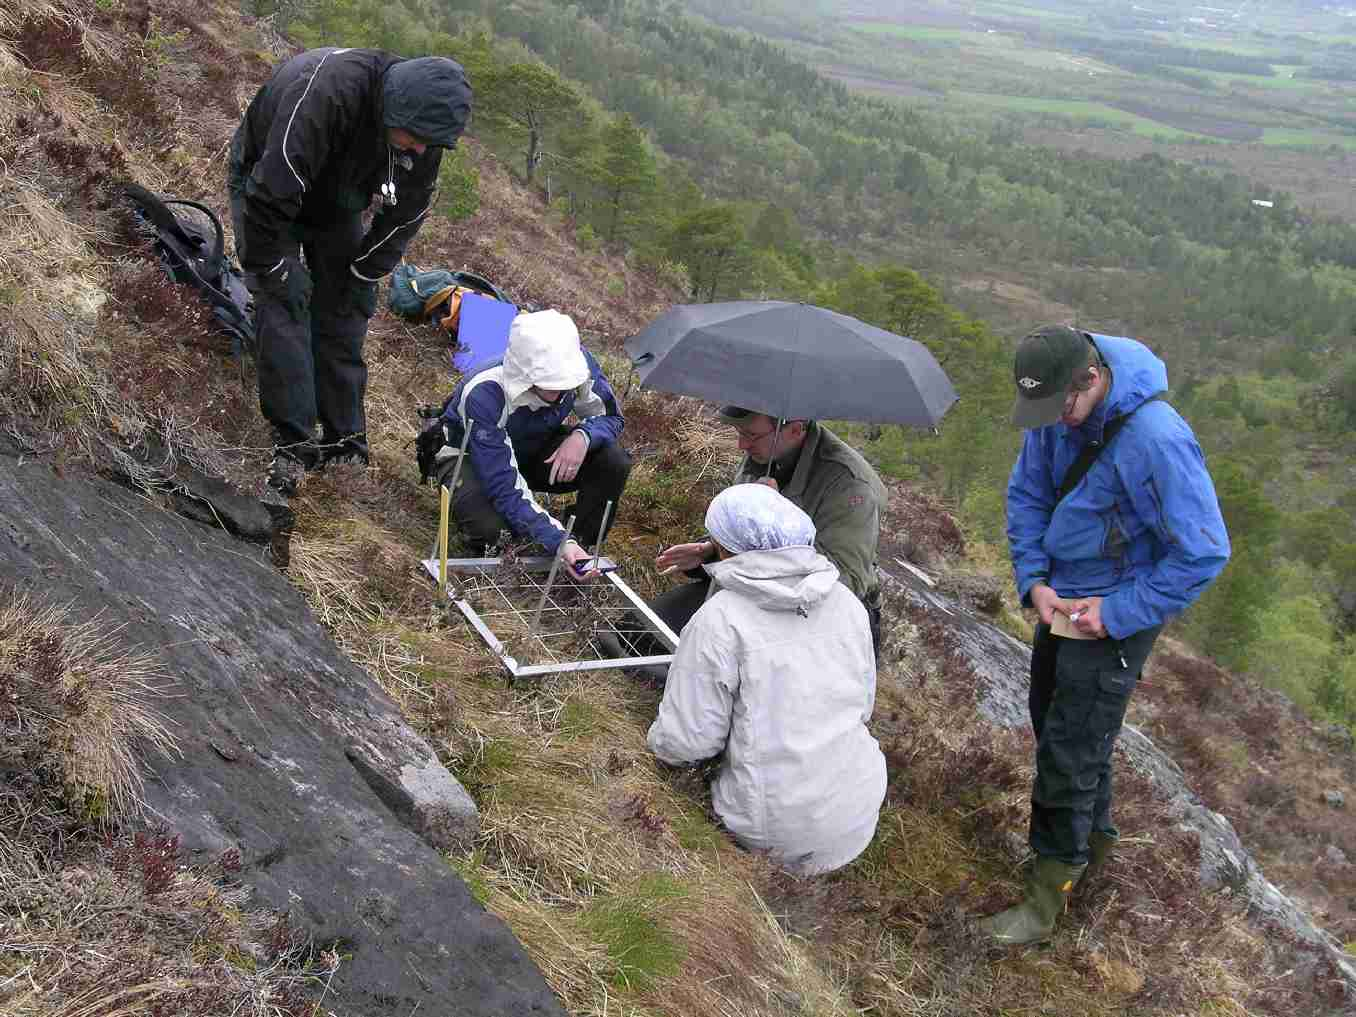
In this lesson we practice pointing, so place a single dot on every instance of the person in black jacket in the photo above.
(328, 131)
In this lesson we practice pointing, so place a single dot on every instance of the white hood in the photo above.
(784, 579)
(775, 674)
(543, 350)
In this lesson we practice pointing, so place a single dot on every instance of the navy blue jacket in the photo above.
(504, 434)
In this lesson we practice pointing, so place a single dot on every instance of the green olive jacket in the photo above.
(842, 493)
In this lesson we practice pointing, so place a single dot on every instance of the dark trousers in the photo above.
(601, 478)
(312, 369)
(677, 606)
(1079, 692)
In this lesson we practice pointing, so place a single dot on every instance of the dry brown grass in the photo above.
(98, 917)
(126, 931)
(76, 698)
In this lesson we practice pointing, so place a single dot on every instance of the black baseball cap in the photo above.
(1047, 362)
(735, 415)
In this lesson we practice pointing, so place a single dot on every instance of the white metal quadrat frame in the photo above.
(655, 625)
(440, 567)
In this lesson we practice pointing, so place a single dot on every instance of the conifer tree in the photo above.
(628, 176)
(710, 241)
(526, 98)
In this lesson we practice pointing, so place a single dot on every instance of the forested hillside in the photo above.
(719, 158)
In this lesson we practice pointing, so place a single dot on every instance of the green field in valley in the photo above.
(1281, 81)
(1307, 139)
(922, 33)
(1092, 112)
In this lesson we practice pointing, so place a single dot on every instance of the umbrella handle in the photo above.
(776, 437)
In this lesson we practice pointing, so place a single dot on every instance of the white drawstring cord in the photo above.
(388, 190)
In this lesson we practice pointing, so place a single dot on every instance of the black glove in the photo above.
(364, 295)
(426, 447)
(290, 285)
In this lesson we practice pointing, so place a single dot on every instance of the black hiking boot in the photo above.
(350, 451)
(284, 476)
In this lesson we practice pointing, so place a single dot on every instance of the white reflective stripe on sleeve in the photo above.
(496, 375)
(416, 219)
(287, 133)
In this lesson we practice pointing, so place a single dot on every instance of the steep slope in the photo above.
(609, 870)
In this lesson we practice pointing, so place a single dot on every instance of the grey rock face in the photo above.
(1002, 665)
(292, 754)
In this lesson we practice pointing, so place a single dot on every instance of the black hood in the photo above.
(429, 97)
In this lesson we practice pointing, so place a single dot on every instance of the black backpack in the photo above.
(192, 253)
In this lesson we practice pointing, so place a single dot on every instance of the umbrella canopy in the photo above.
(791, 361)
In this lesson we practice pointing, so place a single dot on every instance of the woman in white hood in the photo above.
(776, 674)
(519, 411)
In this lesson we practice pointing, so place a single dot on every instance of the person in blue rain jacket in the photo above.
(1104, 562)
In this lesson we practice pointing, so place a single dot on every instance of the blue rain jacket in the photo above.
(508, 431)
(1143, 528)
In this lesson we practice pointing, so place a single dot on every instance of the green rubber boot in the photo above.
(1048, 886)
(1100, 847)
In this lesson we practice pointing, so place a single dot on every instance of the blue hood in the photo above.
(1142, 529)
(1136, 376)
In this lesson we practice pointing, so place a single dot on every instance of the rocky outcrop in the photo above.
(1000, 664)
(292, 755)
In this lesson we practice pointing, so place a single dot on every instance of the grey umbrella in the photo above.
(791, 361)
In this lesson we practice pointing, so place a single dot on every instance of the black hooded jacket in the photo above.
(312, 147)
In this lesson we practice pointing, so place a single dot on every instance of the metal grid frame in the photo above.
(479, 574)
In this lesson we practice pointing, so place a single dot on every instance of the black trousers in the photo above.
(1079, 693)
(601, 478)
(678, 605)
(312, 369)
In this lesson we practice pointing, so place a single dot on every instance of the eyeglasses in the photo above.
(1080, 384)
(749, 436)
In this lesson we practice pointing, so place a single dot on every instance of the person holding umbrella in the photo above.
(779, 368)
(818, 472)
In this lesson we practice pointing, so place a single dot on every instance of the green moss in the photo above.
(239, 960)
(480, 770)
(578, 719)
(471, 869)
(631, 927)
(91, 802)
(695, 832)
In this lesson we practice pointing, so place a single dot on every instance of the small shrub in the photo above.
(586, 237)
(458, 186)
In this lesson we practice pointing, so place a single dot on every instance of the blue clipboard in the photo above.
(482, 331)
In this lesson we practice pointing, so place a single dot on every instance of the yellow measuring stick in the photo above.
(444, 504)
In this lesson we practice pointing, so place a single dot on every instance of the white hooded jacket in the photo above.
(543, 350)
(777, 672)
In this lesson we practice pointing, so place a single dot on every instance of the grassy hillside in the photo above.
(609, 867)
